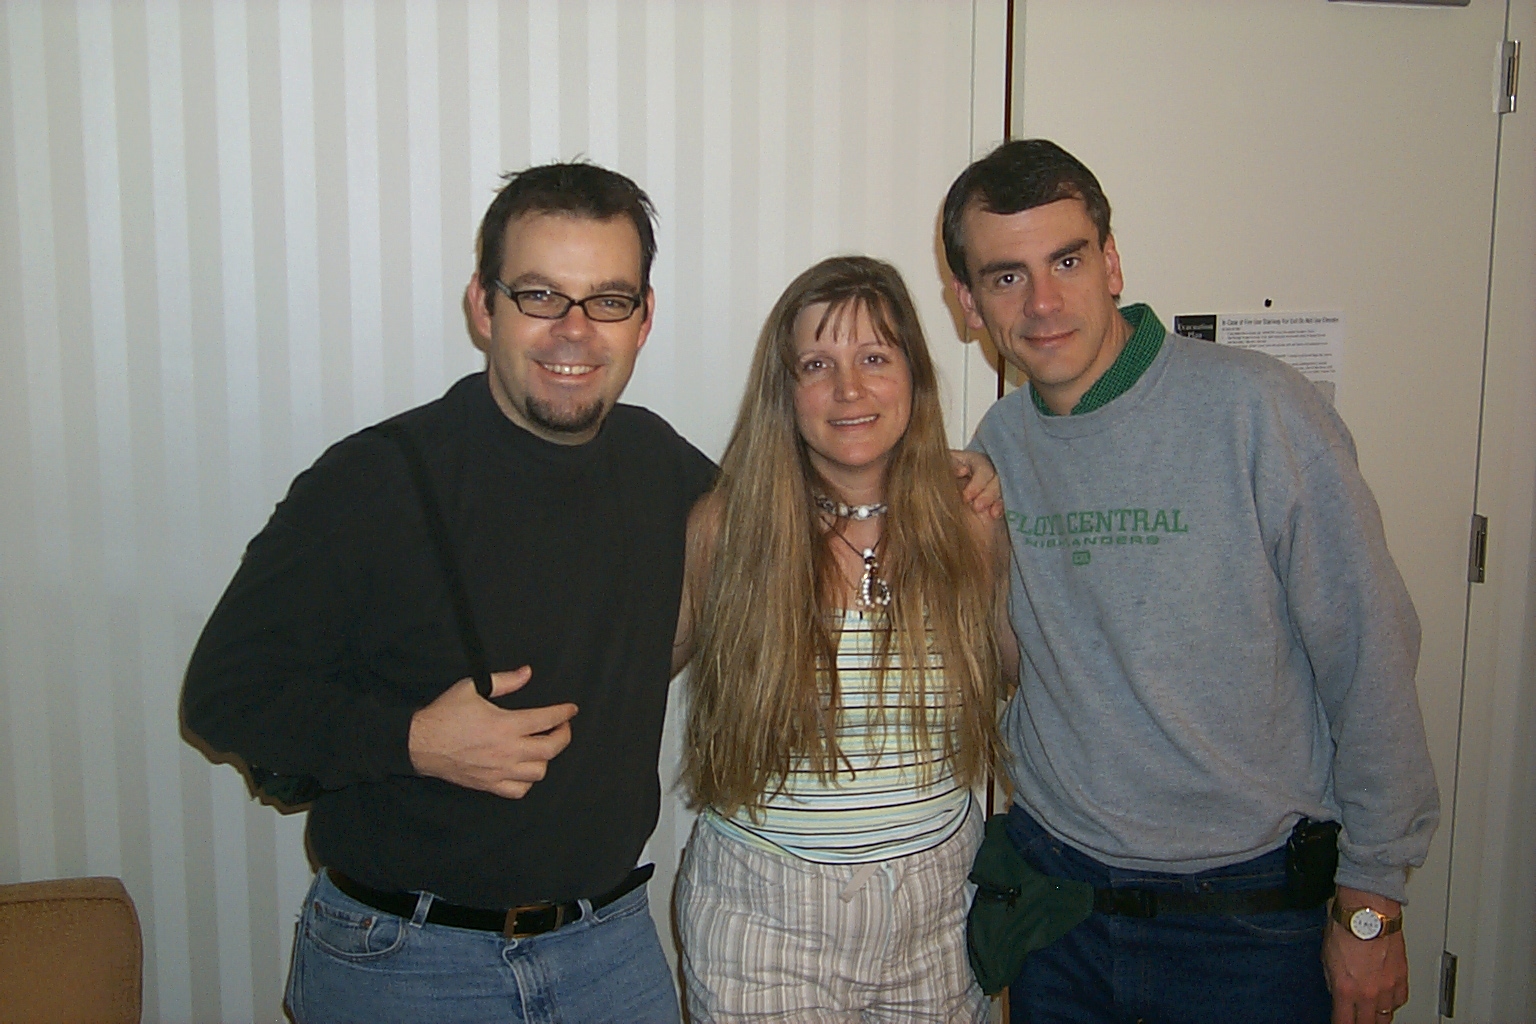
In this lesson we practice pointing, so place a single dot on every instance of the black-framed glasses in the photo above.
(548, 304)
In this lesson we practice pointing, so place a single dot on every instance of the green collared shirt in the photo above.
(1141, 348)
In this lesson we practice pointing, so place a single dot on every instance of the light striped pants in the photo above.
(771, 937)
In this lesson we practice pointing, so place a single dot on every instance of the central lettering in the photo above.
(1128, 520)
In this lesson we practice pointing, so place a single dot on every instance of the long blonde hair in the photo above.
(764, 682)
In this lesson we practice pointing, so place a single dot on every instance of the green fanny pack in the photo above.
(1017, 910)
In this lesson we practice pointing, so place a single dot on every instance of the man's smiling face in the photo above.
(1044, 288)
(558, 379)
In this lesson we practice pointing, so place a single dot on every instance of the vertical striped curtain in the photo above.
(232, 233)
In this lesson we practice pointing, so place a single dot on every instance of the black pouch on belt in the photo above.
(1311, 859)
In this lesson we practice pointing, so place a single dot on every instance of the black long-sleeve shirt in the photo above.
(337, 627)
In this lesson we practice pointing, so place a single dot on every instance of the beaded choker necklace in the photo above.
(843, 510)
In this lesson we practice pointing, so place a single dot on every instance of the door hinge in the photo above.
(1447, 983)
(1477, 551)
(1509, 75)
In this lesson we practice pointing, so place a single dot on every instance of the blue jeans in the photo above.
(1185, 968)
(354, 963)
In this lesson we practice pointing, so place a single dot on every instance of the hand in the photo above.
(1369, 980)
(464, 739)
(983, 490)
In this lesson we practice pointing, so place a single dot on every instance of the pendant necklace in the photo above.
(873, 590)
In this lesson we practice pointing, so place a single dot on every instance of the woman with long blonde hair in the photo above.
(844, 610)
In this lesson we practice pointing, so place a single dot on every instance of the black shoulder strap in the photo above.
(468, 635)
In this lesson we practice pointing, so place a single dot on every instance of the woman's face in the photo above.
(853, 397)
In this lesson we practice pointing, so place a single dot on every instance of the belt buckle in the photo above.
(1141, 903)
(510, 929)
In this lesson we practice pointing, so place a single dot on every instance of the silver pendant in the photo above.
(873, 590)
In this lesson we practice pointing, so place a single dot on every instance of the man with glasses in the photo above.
(478, 851)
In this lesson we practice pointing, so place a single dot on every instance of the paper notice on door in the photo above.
(1311, 343)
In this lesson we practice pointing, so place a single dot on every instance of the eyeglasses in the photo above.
(547, 304)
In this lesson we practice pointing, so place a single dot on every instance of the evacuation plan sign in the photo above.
(1312, 343)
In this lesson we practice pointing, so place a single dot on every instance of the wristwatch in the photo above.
(1364, 923)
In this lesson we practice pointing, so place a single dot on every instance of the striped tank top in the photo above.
(880, 805)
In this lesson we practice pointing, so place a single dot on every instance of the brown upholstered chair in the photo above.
(70, 950)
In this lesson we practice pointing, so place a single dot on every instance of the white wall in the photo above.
(231, 233)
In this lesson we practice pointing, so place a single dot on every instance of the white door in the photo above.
(1314, 156)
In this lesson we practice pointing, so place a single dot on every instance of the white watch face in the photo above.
(1365, 923)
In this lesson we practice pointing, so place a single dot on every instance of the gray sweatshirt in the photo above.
(1216, 640)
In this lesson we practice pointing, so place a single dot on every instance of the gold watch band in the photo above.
(1345, 916)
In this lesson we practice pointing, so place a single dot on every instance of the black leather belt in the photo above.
(1152, 902)
(514, 922)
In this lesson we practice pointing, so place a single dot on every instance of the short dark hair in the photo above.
(1018, 175)
(578, 189)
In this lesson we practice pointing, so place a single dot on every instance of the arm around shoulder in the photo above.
(980, 487)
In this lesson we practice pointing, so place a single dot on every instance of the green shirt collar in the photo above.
(1141, 348)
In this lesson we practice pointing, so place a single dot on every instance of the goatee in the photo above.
(563, 421)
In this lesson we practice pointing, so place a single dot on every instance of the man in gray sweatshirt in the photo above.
(1219, 652)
